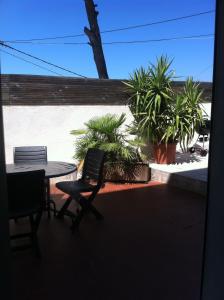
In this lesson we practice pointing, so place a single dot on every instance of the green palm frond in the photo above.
(106, 133)
(160, 114)
(78, 132)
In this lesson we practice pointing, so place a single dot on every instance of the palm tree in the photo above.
(106, 133)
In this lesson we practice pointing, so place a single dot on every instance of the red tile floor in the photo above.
(149, 246)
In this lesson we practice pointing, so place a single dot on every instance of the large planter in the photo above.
(130, 173)
(165, 153)
(147, 151)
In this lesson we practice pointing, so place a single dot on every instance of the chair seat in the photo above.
(70, 187)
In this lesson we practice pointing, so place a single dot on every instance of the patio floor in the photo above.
(149, 246)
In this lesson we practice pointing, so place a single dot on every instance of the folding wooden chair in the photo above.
(26, 196)
(35, 155)
(91, 181)
(30, 155)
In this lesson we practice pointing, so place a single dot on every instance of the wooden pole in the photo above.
(95, 42)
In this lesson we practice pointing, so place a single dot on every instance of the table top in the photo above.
(52, 168)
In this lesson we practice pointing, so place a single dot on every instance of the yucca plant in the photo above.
(107, 133)
(159, 114)
(150, 94)
(184, 115)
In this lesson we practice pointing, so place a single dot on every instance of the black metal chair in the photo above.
(26, 196)
(91, 181)
(30, 154)
(35, 155)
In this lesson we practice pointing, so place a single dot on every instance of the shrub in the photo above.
(106, 133)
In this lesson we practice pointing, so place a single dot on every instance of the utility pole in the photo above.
(95, 42)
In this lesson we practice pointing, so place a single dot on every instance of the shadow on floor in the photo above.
(187, 157)
(149, 246)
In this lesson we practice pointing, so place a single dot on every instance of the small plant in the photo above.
(106, 133)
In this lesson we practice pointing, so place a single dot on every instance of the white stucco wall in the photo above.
(51, 125)
(207, 108)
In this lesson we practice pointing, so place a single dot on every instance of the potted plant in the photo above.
(162, 116)
(124, 162)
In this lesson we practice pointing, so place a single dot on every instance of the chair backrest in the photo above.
(93, 165)
(26, 192)
(30, 154)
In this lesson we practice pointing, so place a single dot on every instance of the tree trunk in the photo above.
(95, 39)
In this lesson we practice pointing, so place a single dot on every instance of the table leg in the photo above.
(48, 198)
(49, 201)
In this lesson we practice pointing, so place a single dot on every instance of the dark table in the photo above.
(52, 169)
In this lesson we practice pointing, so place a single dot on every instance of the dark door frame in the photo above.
(213, 262)
(4, 224)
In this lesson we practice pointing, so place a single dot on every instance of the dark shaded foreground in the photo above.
(149, 246)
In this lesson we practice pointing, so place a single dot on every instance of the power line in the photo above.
(204, 70)
(117, 29)
(46, 38)
(48, 43)
(160, 22)
(199, 73)
(200, 36)
(40, 59)
(23, 59)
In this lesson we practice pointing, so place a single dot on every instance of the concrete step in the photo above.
(194, 180)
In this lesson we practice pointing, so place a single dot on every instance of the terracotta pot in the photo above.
(165, 153)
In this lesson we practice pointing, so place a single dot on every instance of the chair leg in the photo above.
(34, 239)
(87, 205)
(96, 213)
(77, 220)
(36, 246)
(62, 211)
(54, 206)
(48, 199)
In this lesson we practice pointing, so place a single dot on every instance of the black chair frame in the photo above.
(90, 173)
(22, 187)
(35, 155)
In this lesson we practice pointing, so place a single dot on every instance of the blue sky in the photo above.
(27, 19)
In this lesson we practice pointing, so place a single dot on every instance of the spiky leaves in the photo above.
(159, 113)
(107, 133)
(151, 93)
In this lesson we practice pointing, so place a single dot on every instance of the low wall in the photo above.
(42, 110)
(51, 90)
(50, 126)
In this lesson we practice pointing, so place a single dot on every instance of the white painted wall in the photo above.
(207, 108)
(51, 125)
